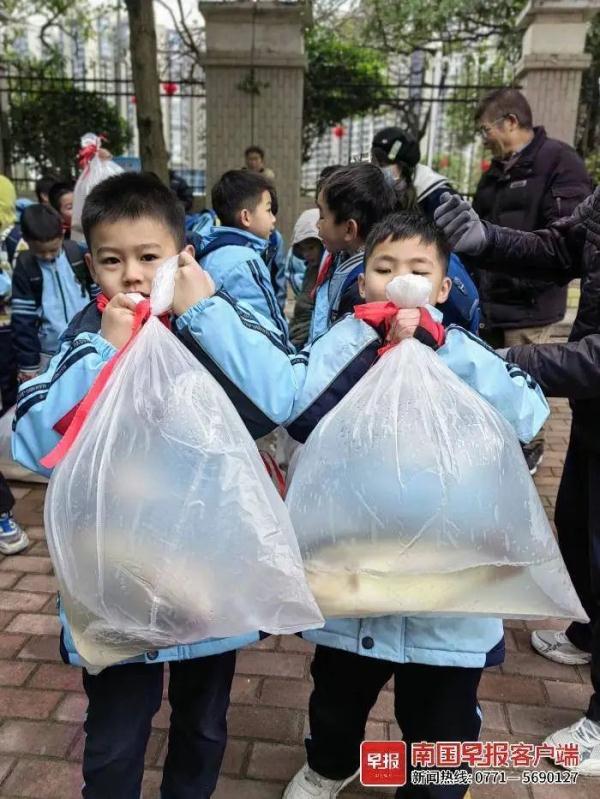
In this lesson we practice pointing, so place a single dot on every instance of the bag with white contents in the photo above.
(412, 496)
(95, 169)
(163, 525)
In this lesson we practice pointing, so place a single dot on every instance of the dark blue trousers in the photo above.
(122, 702)
(432, 703)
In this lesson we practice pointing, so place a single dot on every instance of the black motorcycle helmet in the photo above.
(395, 146)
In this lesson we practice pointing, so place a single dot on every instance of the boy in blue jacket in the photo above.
(132, 224)
(50, 285)
(437, 661)
(234, 253)
(350, 200)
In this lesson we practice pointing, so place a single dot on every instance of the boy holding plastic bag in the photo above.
(436, 661)
(160, 475)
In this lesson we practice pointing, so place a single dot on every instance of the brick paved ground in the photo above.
(41, 704)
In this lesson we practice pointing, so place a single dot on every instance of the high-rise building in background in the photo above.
(102, 64)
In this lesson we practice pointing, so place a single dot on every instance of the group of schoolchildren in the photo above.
(226, 312)
(38, 298)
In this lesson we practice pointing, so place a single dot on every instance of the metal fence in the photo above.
(435, 100)
(183, 109)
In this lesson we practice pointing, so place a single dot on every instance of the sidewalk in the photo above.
(42, 707)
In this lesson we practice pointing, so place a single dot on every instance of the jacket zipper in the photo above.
(62, 296)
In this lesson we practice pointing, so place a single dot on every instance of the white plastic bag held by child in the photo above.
(412, 496)
(95, 169)
(163, 525)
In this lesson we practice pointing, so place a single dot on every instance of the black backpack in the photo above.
(75, 258)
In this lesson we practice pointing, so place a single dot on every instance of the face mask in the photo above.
(399, 183)
(390, 175)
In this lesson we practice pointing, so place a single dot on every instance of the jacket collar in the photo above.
(255, 242)
(525, 157)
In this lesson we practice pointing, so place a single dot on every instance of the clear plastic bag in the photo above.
(95, 170)
(162, 522)
(412, 496)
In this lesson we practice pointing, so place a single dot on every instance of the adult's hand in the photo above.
(460, 224)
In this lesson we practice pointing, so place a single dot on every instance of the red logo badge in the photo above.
(383, 763)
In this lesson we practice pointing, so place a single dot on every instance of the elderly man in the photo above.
(532, 181)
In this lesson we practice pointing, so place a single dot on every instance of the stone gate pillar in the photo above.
(254, 67)
(553, 60)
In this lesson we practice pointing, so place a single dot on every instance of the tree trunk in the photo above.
(591, 143)
(142, 45)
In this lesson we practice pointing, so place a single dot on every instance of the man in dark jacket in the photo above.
(569, 248)
(532, 182)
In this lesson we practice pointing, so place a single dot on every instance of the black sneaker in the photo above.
(534, 455)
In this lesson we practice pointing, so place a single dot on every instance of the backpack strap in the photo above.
(224, 240)
(352, 277)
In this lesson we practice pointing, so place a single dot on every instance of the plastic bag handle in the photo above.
(54, 457)
(88, 151)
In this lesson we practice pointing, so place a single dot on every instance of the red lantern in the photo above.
(485, 165)
(133, 100)
(444, 162)
(170, 88)
(339, 131)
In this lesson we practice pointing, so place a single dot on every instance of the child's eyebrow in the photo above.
(107, 248)
(110, 248)
(421, 260)
(387, 258)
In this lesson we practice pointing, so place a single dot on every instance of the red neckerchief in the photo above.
(383, 313)
(323, 273)
(377, 314)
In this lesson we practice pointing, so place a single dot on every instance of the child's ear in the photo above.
(245, 218)
(361, 285)
(444, 291)
(89, 262)
(351, 231)
(190, 249)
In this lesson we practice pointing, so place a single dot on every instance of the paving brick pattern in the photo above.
(42, 705)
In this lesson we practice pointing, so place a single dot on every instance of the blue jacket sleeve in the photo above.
(25, 319)
(242, 275)
(246, 354)
(510, 390)
(48, 398)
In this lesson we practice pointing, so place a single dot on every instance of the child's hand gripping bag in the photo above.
(95, 169)
(412, 496)
(163, 525)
